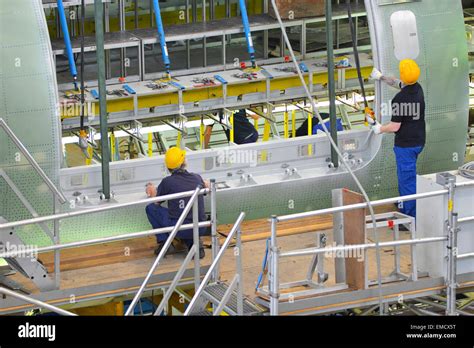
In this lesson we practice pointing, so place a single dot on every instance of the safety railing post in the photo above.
(452, 269)
(273, 283)
(197, 268)
(214, 238)
(238, 260)
(449, 182)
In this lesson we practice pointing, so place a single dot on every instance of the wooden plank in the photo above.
(101, 254)
(354, 233)
(140, 248)
(253, 230)
(293, 9)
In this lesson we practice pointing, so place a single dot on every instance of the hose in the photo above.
(264, 265)
(356, 52)
(67, 41)
(83, 144)
(336, 149)
(467, 170)
(248, 34)
(161, 37)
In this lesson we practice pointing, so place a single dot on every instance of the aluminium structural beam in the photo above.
(105, 158)
(331, 83)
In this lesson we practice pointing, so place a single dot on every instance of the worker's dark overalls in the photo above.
(159, 217)
(244, 131)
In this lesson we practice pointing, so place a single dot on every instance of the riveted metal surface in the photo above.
(28, 104)
(32, 115)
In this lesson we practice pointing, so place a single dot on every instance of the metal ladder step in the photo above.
(202, 313)
(215, 292)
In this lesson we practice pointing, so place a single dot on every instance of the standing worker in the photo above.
(408, 124)
(180, 180)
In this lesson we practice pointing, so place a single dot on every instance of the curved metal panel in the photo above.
(28, 104)
(442, 58)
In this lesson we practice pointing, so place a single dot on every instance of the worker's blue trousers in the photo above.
(159, 218)
(406, 170)
(251, 139)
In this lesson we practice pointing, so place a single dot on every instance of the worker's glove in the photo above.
(150, 190)
(83, 143)
(376, 75)
(370, 120)
(83, 139)
(377, 128)
(369, 116)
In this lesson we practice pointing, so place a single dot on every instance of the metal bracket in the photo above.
(444, 179)
(27, 264)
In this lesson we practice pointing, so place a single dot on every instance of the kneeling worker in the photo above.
(302, 131)
(244, 131)
(180, 180)
(408, 124)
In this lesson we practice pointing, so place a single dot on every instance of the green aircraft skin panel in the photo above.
(29, 100)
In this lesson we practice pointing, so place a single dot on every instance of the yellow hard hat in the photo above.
(409, 71)
(174, 157)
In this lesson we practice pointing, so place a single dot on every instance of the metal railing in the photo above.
(361, 205)
(38, 303)
(58, 217)
(169, 240)
(195, 225)
(112, 206)
(237, 280)
(450, 238)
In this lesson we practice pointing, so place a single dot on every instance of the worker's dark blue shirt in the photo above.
(182, 181)
(408, 108)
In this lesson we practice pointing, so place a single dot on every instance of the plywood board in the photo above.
(354, 233)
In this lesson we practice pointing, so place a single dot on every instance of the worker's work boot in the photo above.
(202, 253)
(176, 247)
